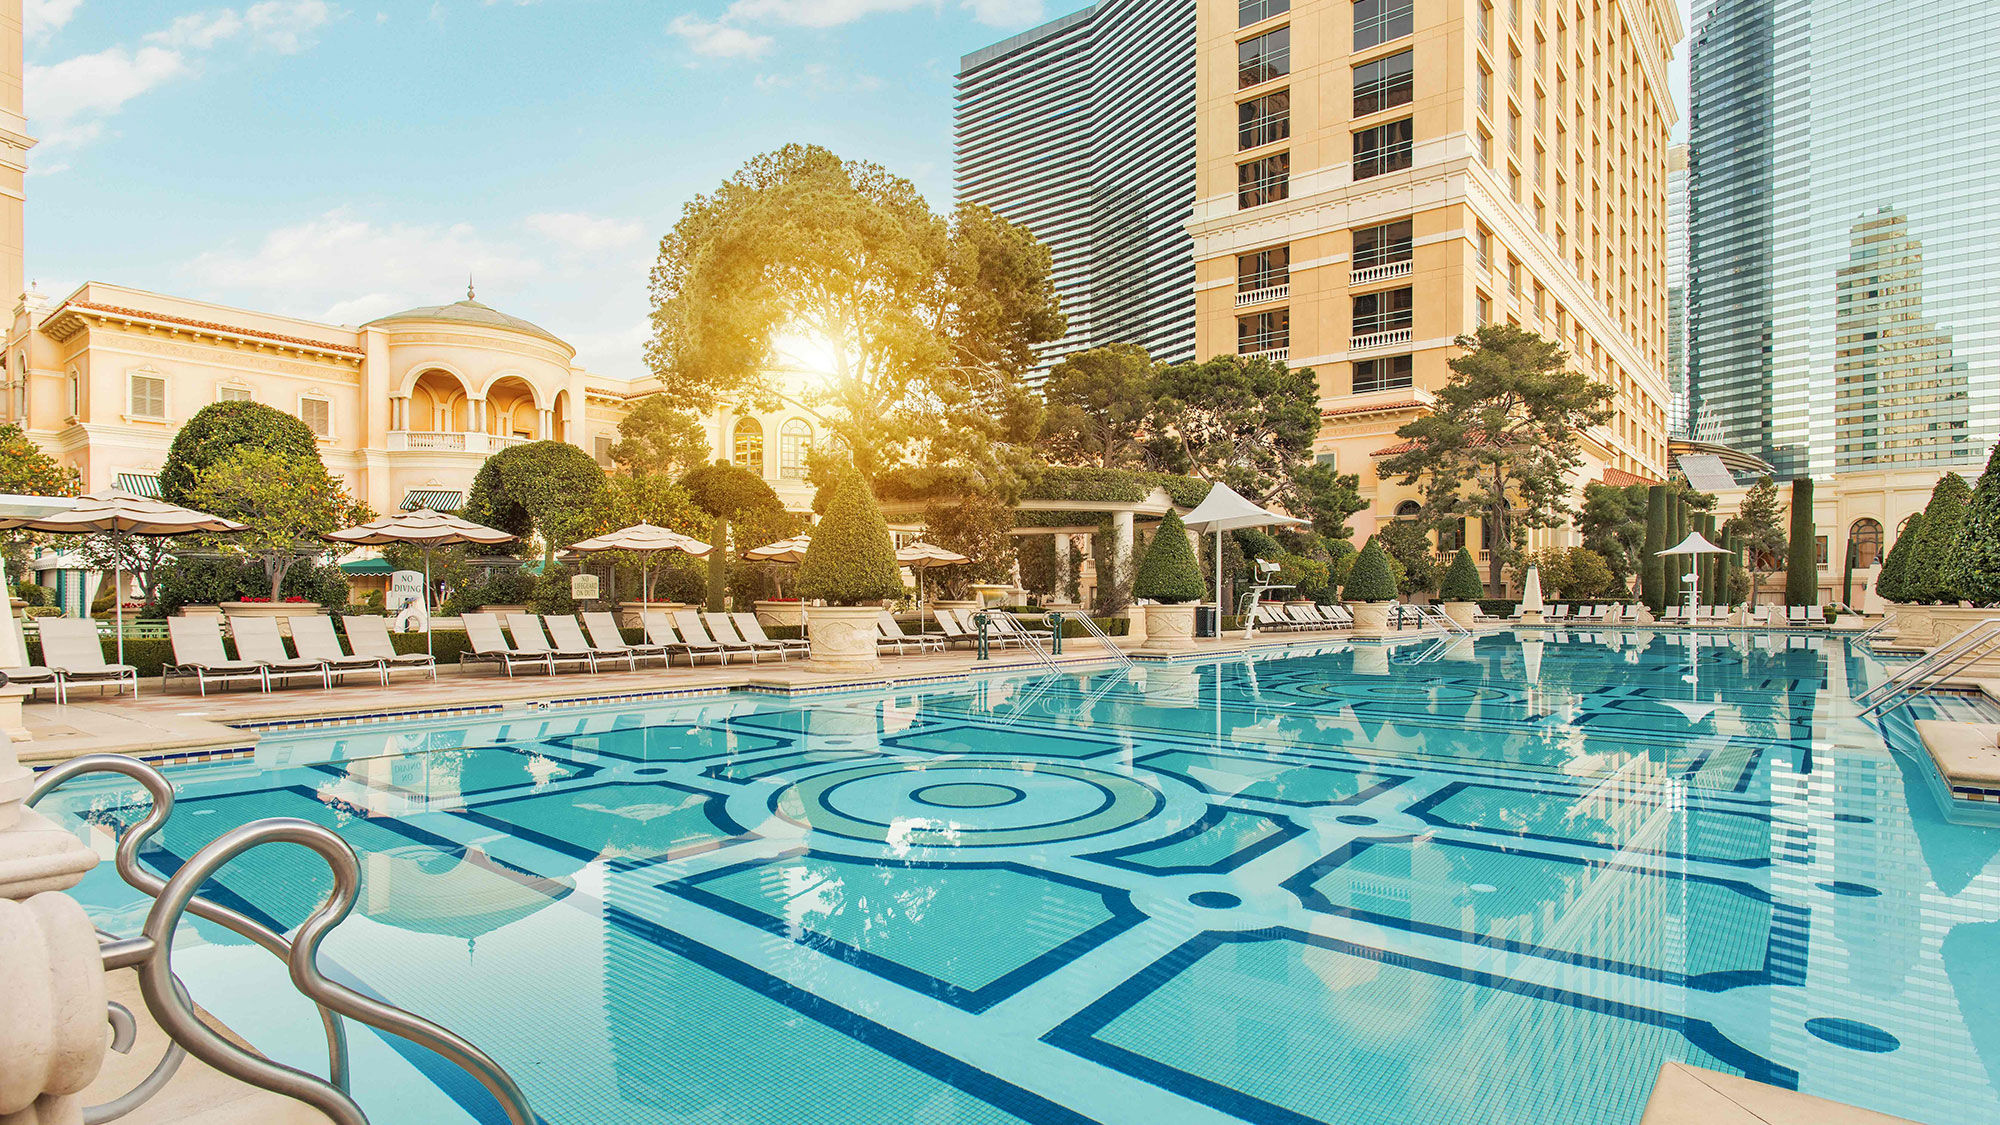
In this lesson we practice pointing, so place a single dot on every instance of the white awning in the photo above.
(1223, 510)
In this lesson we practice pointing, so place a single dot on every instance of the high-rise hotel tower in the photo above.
(1376, 177)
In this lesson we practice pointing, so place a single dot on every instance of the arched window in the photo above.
(1451, 537)
(1409, 510)
(748, 448)
(1864, 542)
(795, 441)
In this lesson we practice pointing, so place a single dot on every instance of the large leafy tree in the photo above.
(1504, 438)
(287, 504)
(1973, 566)
(1249, 423)
(1613, 523)
(27, 470)
(1409, 544)
(547, 490)
(1099, 402)
(659, 438)
(1759, 526)
(804, 260)
(218, 432)
(728, 494)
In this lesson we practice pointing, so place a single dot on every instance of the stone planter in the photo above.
(503, 609)
(628, 612)
(279, 610)
(1169, 628)
(199, 611)
(771, 613)
(1461, 613)
(1135, 622)
(1371, 619)
(843, 637)
(1928, 626)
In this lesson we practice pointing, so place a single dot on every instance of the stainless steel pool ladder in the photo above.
(1873, 631)
(151, 954)
(1932, 669)
(1437, 616)
(1103, 638)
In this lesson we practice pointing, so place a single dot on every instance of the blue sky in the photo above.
(345, 160)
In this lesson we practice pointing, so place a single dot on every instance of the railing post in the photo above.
(1055, 632)
(979, 621)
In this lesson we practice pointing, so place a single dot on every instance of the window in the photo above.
(233, 394)
(1485, 147)
(1263, 268)
(73, 395)
(317, 414)
(601, 449)
(1385, 148)
(795, 440)
(1485, 84)
(1264, 331)
(1386, 374)
(1264, 120)
(1264, 57)
(1409, 510)
(1264, 181)
(1378, 21)
(747, 451)
(1482, 310)
(1819, 548)
(1381, 312)
(1379, 246)
(1331, 459)
(1864, 543)
(1384, 84)
(147, 397)
(1481, 243)
(1256, 11)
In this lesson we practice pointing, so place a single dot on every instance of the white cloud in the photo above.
(814, 13)
(576, 233)
(64, 96)
(718, 40)
(200, 30)
(1006, 13)
(43, 18)
(284, 26)
(316, 267)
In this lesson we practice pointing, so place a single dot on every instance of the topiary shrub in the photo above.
(1371, 580)
(219, 431)
(1461, 580)
(1170, 574)
(1972, 568)
(1924, 576)
(852, 560)
(1653, 568)
(1892, 583)
(1802, 563)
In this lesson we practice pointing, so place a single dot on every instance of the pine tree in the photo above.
(1923, 577)
(1759, 522)
(1973, 567)
(1893, 582)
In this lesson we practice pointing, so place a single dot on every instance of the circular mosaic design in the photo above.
(1853, 1034)
(967, 804)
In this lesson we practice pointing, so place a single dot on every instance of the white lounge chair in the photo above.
(257, 638)
(569, 639)
(489, 646)
(198, 652)
(368, 635)
(688, 623)
(890, 635)
(315, 639)
(752, 630)
(526, 629)
(660, 631)
(607, 638)
(73, 650)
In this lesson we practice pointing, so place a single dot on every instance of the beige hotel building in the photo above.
(1376, 177)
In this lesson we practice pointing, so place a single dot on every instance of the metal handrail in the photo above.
(1433, 613)
(1874, 629)
(985, 620)
(1891, 702)
(1970, 636)
(152, 955)
(1104, 639)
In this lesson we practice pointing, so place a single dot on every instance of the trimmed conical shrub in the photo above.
(1462, 582)
(852, 560)
(1170, 574)
(1371, 579)
(1653, 568)
(1972, 568)
(1892, 583)
(1802, 561)
(1924, 576)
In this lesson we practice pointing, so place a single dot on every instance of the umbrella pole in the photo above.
(118, 593)
(429, 649)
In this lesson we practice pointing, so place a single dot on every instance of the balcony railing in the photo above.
(1383, 272)
(448, 441)
(1387, 339)
(1267, 293)
(1277, 354)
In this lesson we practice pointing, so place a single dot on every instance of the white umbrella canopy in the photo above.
(118, 513)
(1224, 509)
(645, 539)
(921, 556)
(791, 551)
(421, 527)
(1694, 544)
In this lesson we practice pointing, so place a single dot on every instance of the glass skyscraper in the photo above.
(1844, 235)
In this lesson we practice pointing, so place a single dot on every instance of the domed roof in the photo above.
(471, 312)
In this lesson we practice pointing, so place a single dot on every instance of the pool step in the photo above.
(1689, 1095)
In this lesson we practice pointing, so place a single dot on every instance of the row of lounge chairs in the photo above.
(550, 643)
(1772, 616)
(72, 655)
(261, 659)
(1298, 618)
(1608, 614)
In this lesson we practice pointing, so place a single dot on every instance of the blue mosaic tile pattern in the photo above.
(1321, 883)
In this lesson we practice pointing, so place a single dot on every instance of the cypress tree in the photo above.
(1676, 564)
(1973, 567)
(1802, 563)
(1892, 583)
(1652, 568)
(1711, 565)
(1924, 574)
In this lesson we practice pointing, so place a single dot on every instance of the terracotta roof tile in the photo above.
(1619, 478)
(213, 326)
(1372, 408)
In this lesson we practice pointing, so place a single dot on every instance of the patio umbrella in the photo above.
(1693, 545)
(646, 540)
(1224, 510)
(785, 552)
(119, 513)
(921, 556)
(420, 527)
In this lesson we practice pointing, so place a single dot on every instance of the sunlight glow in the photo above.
(806, 353)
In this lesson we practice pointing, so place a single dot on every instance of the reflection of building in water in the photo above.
(1899, 395)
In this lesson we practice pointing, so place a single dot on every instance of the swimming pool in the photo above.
(1499, 882)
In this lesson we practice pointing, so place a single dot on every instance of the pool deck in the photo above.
(1690, 1095)
(180, 725)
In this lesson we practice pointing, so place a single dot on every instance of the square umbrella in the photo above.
(421, 527)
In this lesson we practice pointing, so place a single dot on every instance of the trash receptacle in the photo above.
(1207, 621)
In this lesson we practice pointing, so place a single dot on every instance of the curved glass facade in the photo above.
(1846, 206)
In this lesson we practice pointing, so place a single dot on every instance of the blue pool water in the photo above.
(1347, 884)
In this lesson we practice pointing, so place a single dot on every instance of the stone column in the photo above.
(1121, 551)
(1062, 568)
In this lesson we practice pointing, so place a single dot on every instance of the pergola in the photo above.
(1124, 516)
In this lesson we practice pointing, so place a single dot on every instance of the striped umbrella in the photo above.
(421, 527)
(921, 556)
(646, 539)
